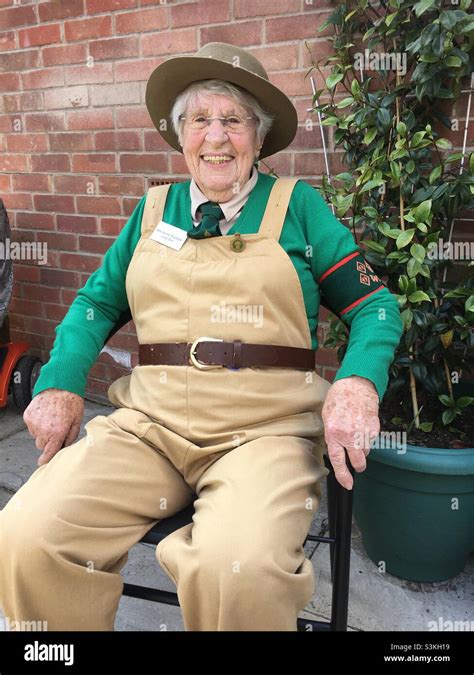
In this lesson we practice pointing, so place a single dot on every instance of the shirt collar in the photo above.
(230, 208)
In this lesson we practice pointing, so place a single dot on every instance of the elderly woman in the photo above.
(223, 275)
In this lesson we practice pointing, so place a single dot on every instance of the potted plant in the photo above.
(397, 70)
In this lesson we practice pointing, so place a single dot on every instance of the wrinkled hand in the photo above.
(351, 421)
(53, 418)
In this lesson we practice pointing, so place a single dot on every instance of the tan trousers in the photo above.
(65, 535)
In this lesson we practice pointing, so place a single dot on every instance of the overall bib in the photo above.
(245, 444)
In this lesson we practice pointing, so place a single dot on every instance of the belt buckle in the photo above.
(192, 354)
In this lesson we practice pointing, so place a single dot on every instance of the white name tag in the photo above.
(169, 235)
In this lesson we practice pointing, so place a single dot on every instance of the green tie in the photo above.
(209, 225)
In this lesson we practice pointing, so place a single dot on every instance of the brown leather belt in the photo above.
(206, 353)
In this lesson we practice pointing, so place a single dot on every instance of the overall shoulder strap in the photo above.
(277, 206)
(154, 208)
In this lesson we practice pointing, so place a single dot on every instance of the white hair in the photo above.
(241, 96)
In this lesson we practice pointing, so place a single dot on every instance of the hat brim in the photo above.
(170, 78)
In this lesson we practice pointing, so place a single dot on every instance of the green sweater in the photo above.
(328, 262)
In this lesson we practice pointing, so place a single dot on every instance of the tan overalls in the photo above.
(248, 442)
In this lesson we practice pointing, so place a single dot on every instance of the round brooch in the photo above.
(237, 244)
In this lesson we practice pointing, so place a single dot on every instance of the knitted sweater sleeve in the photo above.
(350, 289)
(93, 313)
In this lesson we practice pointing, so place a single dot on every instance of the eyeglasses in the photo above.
(234, 123)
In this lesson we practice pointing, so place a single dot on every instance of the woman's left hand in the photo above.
(351, 421)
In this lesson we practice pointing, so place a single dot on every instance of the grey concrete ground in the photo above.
(377, 601)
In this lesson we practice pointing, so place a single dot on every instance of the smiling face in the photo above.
(218, 181)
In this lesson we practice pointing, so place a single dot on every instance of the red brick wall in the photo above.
(78, 148)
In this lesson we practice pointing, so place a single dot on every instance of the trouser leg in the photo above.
(65, 535)
(241, 564)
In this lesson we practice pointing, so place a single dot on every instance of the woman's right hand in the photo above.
(54, 418)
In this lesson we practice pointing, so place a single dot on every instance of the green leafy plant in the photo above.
(396, 69)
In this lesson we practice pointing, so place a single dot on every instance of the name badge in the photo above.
(169, 235)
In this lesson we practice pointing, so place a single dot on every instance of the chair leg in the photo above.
(331, 487)
(340, 564)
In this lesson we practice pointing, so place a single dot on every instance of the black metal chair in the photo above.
(339, 524)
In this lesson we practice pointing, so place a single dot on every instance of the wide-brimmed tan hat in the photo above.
(224, 62)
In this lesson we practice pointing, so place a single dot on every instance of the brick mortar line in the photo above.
(279, 43)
